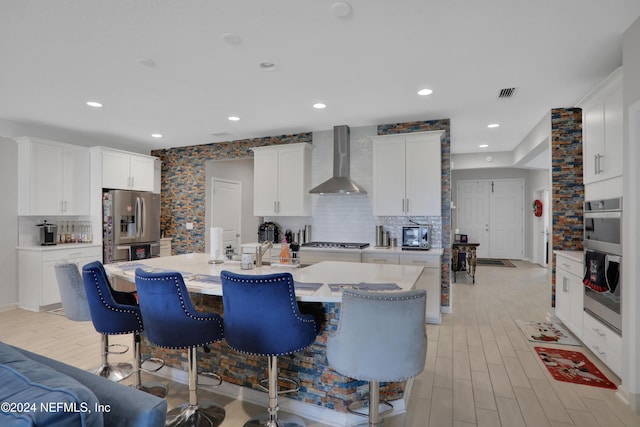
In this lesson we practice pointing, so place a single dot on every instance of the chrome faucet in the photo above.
(260, 251)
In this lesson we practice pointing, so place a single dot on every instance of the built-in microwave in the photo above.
(416, 237)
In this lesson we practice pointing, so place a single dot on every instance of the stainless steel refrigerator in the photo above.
(130, 225)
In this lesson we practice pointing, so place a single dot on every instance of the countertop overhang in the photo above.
(326, 272)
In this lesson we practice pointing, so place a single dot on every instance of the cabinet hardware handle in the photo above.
(403, 205)
(407, 206)
(597, 331)
(564, 285)
(275, 208)
(566, 265)
(278, 206)
(597, 349)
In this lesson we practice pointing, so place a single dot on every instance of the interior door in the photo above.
(473, 213)
(226, 209)
(491, 212)
(506, 230)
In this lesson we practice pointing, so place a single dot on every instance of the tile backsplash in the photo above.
(349, 218)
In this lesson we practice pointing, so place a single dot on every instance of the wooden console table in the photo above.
(463, 258)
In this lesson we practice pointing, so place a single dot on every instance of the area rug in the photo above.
(573, 367)
(494, 262)
(546, 332)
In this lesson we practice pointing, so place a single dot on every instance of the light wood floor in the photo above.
(480, 370)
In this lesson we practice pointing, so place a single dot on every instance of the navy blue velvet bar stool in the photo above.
(380, 338)
(171, 321)
(261, 317)
(116, 313)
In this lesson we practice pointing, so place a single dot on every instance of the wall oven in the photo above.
(603, 261)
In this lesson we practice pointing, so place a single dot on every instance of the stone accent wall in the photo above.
(567, 189)
(183, 185)
(445, 230)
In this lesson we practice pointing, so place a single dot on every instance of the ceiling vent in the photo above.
(507, 92)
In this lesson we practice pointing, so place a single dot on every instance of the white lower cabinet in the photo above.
(37, 283)
(603, 342)
(569, 293)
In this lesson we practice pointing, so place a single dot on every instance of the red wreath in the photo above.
(537, 208)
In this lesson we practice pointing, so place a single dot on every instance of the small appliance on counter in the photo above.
(416, 237)
(269, 231)
(48, 234)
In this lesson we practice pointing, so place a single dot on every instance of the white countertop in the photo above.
(327, 272)
(398, 250)
(59, 247)
(374, 249)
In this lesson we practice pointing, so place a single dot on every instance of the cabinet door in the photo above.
(576, 310)
(592, 140)
(563, 303)
(611, 163)
(265, 182)
(45, 172)
(389, 176)
(115, 170)
(423, 176)
(142, 172)
(293, 196)
(50, 291)
(76, 180)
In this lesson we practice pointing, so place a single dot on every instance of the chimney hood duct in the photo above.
(340, 183)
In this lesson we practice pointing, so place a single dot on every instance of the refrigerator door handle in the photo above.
(138, 218)
(142, 216)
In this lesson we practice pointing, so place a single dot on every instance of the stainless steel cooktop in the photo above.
(335, 245)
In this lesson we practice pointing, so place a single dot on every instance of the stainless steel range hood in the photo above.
(340, 183)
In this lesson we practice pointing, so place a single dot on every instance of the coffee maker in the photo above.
(268, 232)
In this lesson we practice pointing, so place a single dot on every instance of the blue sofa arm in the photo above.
(127, 406)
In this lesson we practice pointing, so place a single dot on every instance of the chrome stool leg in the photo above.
(195, 413)
(271, 419)
(116, 372)
(372, 410)
(152, 387)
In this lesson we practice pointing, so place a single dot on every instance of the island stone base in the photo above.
(319, 384)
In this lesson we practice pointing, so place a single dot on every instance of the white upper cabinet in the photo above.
(602, 130)
(122, 170)
(282, 180)
(407, 174)
(53, 178)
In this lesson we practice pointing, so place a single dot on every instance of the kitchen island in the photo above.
(324, 394)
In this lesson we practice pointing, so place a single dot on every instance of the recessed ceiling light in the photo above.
(341, 9)
(156, 135)
(483, 145)
(146, 62)
(234, 118)
(94, 104)
(493, 125)
(231, 38)
(319, 105)
(424, 92)
(268, 66)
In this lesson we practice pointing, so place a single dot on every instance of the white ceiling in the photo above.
(367, 67)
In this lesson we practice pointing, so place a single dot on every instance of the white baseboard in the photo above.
(305, 410)
(8, 307)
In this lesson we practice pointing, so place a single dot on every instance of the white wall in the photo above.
(9, 223)
(630, 225)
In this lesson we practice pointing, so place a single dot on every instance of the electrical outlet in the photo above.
(189, 226)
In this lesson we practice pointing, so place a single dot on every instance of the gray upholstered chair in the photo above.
(381, 337)
(72, 294)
